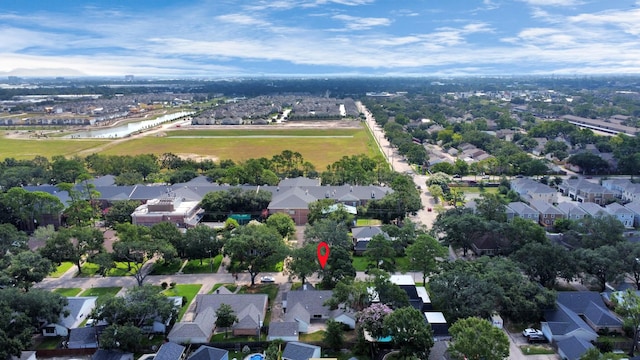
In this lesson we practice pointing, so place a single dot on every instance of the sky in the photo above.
(232, 38)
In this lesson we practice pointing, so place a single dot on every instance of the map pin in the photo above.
(323, 253)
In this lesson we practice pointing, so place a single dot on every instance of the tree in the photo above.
(589, 163)
(602, 264)
(15, 332)
(476, 339)
(255, 248)
(334, 335)
(459, 227)
(28, 268)
(380, 252)
(135, 247)
(629, 307)
(388, 292)
(12, 241)
(73, 244)
(225, 317)
(169, 233)
(120, 211)
(334, 233)
(436, 192)
(352, 294)
(544, 263)
(303, 262)
(274, 350)
(283, 223)
(372, 319)
(409, 332)
(423, 255)
(630, 258)
(201, 242)
(491, 206)
(125, 338)
(339, 266)
(139, 307)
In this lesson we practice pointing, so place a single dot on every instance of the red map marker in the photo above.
(323, 253)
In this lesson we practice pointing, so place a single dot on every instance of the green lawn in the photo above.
(60, 270)
(368, 222)
(167, 268)
(30, 148)
(188, 291)
(50, 343)
(230, 287)
(276, 131)
(476, 189)
(194, 267)
(314, 336)
(68, 291)
(537, 350)
(121, 269)
(101, 292)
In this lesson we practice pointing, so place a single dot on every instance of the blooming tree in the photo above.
(372, 319)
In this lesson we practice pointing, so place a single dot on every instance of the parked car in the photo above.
(531, 332)
(457, 176)
(536, 339)
(267, 279)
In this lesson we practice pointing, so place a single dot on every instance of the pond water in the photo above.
(128, 129)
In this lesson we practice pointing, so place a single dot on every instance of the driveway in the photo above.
(516, 340)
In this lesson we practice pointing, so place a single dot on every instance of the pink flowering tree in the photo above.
(372, 319)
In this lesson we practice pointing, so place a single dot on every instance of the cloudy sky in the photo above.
(222, 38)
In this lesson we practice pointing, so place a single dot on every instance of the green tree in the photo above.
(339, 267)
(350, 294)
(125, 338)
(120, 211)
(380, 252)
(283, 223)
(424, 255)
(138, 307)
(602, 264)
(225, 317)
(28, 268)
(303, 262)
(544, 263)
(73, 244)
(15, 332)
(629, 307)
(201, 242)
(409, 332)
(169, 233)
(255, 249)
(334, 335)
(459, 227)
(491, 206)
(476, 339)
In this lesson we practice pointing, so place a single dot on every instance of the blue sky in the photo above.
(226, 38)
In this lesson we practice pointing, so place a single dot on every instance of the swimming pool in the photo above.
(255, 357)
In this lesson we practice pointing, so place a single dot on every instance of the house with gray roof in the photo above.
(102, 354)
(170, 351)
(294, 202)
(585, 191)
(617, 186)
(84, 337)
(573, 348)
(305, 307)
(209, 353)
(623, 214)
(523, 211)
(79, 308)
(631, 192)
(563, 323)
(299, 182)
(362, 235)
(284, 330)
(590, 306)
(250, 309)
(548, 213)
(634, 206)
(571, 210)
(300, 351)
(593, 209)
(25, 355)
(531, 190)
(197, 331)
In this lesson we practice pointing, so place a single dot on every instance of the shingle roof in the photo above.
(250, 308)
(208, 353)
(102, 354)
(75, 307)
(283, 329)
(366, 232)
(312, 300)
(169, 351)
(298, 351)
(573, 347)
(295, 198)
(201, 327)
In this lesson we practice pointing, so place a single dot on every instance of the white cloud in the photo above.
(553, 2)
(361, 23)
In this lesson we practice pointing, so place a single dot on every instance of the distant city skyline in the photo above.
(236, 38)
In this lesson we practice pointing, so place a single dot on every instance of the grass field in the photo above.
(321, 147)
(60, 270)
(101, 292)
(188, 291)
(67, 291)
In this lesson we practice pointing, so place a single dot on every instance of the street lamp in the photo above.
(210, 260)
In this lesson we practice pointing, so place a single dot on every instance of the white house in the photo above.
(624, 215)
(79, 309)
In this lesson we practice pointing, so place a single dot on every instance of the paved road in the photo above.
(399, 164)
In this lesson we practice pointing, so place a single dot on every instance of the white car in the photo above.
(531, 332)
(267, 279)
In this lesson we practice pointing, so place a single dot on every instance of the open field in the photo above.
(320, 146)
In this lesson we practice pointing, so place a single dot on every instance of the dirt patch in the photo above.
(197, 157)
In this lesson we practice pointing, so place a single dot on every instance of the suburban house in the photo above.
(102, 354)
(209, 353)
(197, 331)
(584, 191)
(293, 202)
(562, 323)
(523, 211)
(25, 355)
(631, 192)
(573, 348)
(79, 309)
(623, 214)
(84, 337)
(530, 190)
(617, 186)
(250, 309)
(283, 330)
(170, 351)
(635, 209)
(300, 351)
(548, 214)
(487, 244)
(171, 209)
(571, 210)
(593, 209)
(418, 296)
(362, 235)
(307, 306)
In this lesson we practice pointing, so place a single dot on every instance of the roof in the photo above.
(435, 317)
(84, 336)
(295, 198)
(249, 308)
(299, 181)
(571, 209)
(312, 300)
(169, 351)
(617, 209)
(102, 354)
(562, 321)
(519, 208)
(208, 353)
(573, 347)
(283, 329)
(593, 209)
(299, 351)
(545, 207)
(201, 327)
(366, 232)
(297, 313)
(401, 280)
